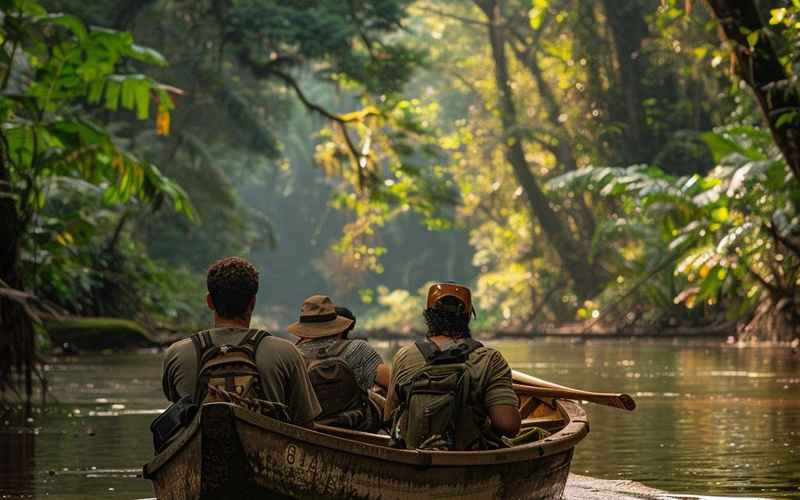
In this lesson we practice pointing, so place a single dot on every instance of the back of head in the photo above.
(449, 307)
(346, 313)
(232, 283)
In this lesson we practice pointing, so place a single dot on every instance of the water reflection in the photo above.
(710, 419)
(16, 460)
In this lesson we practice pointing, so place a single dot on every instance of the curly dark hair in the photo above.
(232, 283)
(447, 323)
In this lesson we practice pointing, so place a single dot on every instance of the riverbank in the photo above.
(78, 334)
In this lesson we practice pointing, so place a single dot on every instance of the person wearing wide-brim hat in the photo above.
(323, 334)
(318, 319)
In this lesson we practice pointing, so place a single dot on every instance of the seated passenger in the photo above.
(449, 392)
(342, 371)
(232, 362)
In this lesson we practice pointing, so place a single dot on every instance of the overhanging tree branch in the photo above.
(356, 116)
(760, 67)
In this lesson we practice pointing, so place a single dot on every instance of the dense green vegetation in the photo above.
(613, 164)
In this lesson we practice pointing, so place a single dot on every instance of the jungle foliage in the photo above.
(542, 94)
(614, 163)
(64, 174)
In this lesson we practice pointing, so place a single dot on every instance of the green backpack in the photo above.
(435, 411)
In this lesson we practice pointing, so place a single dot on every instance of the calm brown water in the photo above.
(711, 419)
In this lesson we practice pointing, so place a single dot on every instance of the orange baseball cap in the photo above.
(438, 291)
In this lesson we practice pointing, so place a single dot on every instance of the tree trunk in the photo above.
(761, 68)
(16, 329)
(574, 257)
(564, 151)
(628, 30)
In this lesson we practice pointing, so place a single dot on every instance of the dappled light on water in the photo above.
(710, 420)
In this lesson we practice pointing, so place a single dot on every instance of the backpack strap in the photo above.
(456, 354)
(202, 342)
(428, 349)
(334, 350)
(253, 339)
(471, 345)
(247, 339)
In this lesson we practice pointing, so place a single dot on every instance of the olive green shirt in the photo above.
(282, 369)
(489, 373)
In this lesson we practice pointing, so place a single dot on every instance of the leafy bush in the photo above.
(730, 237)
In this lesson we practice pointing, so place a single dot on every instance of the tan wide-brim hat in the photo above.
(318, 318)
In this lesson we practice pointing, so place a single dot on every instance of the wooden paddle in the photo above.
(534, 386)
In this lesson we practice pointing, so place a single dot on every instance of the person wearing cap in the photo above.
(232, 287)
(447, 315)
(323, 328)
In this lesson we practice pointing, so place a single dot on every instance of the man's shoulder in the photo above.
(278, 343)
(406, 350)
(408, 355)
(178, 346)
(485, 352)
(359, 345)
(278, 347)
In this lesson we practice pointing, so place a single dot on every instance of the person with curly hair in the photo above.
(491, 397)
(232, 287)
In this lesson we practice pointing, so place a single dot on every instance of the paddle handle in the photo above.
(534, 386)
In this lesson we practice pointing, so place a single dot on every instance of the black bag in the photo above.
(176, 417)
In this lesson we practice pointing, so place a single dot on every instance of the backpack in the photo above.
(344, 403)
(435, 411)
(225, 373)
(227, 368)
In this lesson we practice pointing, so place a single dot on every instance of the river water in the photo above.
(712, 419)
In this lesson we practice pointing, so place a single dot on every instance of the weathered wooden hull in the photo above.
(232, 453)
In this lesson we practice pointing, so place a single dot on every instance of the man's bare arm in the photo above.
(505, 419)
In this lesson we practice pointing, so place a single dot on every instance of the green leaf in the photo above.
(752, 38)
(722, 146)
(112, 94)
(128, 88)
(712, 283)
(72, 23)
(786, 118)
(776, 175)
(95, 91)
(147, 55)
(142, 99)
(164, 100)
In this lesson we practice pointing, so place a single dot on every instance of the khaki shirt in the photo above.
(491, 378)
(282, 368)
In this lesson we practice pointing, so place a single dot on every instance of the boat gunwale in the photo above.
(575, 430)
(173, 448)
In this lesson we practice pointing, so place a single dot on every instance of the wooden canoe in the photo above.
(229, 452)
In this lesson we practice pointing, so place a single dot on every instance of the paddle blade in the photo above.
(628, 401)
